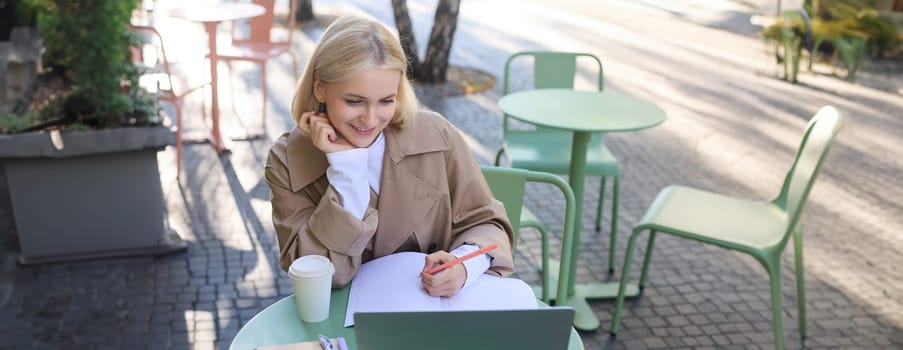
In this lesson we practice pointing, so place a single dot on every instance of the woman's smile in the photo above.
(363, 131)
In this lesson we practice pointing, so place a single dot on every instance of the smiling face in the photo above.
(361, 106)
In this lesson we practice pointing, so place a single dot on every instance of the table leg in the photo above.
(215, 137)
(584, 318)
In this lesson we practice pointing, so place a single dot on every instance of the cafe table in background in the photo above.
(582, 113)
(211, 15)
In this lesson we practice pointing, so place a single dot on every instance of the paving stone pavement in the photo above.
(732, 127)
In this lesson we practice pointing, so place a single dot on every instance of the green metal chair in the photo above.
(507, 185)
(760, 229)
(549, 150)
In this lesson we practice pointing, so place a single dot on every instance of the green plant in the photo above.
(26, 15)
(860, 18)
(10, 122)
(87, 66)
(853, 27)
(883, 35)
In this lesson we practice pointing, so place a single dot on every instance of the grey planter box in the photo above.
(88, 195)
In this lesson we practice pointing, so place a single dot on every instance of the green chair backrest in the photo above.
(817, 140)
(507, 185)
(551, 70)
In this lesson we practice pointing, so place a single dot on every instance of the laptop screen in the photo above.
(539, 329)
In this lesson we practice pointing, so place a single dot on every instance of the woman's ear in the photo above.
(319, 90)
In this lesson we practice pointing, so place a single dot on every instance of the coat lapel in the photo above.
(403, 204)
(306, 161)
(405, 197)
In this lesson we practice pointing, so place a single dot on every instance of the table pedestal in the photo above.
(584, 318)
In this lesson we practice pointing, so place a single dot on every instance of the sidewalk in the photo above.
(732, 127)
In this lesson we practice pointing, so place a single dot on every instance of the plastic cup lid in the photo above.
(311, 266)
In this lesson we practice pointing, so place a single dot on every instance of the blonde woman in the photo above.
(365, 174)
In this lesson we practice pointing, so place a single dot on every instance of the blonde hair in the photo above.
(349, 45)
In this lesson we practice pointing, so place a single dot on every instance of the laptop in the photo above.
(540, 329)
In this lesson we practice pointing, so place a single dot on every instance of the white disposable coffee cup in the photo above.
(312, 281)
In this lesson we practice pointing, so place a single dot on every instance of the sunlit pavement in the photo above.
(732, 127)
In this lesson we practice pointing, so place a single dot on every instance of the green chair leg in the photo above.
(625, 274)
(646, 259)
(613, 239)
(852, 50)
(800, 282)
(774, 274)
(544, 237)
(601, 204)
(546, 280)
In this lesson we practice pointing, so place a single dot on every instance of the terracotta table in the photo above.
(211, 16)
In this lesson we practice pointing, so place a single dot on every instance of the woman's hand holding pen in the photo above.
(445, 283)
(322, 133)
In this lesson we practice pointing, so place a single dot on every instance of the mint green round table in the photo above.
(279, 324)
(583, 113)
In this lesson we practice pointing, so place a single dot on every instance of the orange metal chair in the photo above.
(259, 46)
(157, 77)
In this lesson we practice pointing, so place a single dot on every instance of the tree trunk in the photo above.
(406, 35)
(305, 10)
(7, 19)
(434, 67)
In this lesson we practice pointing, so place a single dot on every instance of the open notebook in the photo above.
(392, 283)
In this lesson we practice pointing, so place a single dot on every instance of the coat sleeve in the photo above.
(477, 217)
(312, 221)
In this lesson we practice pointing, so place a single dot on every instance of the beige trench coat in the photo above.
(432, 197)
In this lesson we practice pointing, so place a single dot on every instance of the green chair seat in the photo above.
(759, 229)
(555, 154)
(726, 221)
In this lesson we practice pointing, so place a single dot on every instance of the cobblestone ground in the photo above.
(732, 127)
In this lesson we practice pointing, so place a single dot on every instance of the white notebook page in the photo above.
(392, 283)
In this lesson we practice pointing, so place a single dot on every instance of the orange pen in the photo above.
(477, 252)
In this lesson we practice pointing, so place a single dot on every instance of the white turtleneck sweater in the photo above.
(347, 175)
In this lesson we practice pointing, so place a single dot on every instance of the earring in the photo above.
(321, 107)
